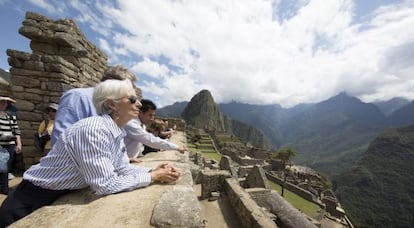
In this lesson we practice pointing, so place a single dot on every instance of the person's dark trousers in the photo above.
(24, 200)
(148, 149)
(4, 183)
(12, 152)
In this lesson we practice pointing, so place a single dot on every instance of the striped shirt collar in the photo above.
(114, 129)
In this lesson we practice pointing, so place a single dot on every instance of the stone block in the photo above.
(288, 216)
(257, 178)
(178, 207)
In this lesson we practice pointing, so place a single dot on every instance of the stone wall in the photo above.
(212, 181)
(61, 59)
(259, 195)
(287, 215)
(249, 213)
(157, 205)
(179, 122)
(295, 189)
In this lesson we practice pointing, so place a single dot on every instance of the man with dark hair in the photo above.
(137, 136)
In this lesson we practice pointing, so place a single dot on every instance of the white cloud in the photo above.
(53, 8)
(151, 68)
(248, 51)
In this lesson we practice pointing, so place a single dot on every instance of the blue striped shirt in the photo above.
(89, 153)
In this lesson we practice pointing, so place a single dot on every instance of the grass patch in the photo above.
(191, 146)
(307, 207)
(211, 155)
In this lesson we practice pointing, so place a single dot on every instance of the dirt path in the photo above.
(218, 213)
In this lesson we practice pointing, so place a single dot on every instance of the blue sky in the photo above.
(253, 51)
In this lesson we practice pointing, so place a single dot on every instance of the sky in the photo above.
(250, 51)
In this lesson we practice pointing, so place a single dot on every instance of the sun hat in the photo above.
(53, 106)
(5, 98)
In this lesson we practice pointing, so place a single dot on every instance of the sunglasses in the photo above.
(132, 99)
(51, 110)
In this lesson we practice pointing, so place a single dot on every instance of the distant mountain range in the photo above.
(329, 136)
(388, 107)
(367, 149)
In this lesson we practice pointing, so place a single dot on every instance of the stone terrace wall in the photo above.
(293, 188)
(249, 213)
(61, 59)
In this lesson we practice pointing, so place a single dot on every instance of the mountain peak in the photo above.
(202, 111)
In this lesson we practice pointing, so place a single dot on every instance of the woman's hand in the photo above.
(165, 173)
(182, 149)
(135, 160)
(18, 144)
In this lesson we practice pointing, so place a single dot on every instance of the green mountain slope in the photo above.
(379, 190)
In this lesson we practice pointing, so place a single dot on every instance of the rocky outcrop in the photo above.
(202, 112)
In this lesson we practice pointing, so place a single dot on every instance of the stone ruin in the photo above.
(251, 199)
(61, 59)
(250, 167)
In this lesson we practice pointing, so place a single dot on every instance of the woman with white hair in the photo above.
(90, 153)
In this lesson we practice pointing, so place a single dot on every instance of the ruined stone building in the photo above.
(62, 58)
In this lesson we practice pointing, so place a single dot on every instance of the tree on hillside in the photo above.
(285, 155)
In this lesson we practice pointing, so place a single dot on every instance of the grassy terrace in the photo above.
(205, 146)
(305, 206)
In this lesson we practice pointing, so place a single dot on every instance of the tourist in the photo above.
(9, 139)
(137, 136)
(90, 153)
(46, 128)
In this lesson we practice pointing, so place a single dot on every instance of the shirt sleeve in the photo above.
(102, 163)
(136, 133)
(73, 106)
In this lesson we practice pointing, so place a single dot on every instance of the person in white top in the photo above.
(137, 136)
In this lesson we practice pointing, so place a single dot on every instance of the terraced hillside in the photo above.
(198, 140)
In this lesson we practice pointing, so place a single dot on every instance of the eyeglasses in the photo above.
(132, 99)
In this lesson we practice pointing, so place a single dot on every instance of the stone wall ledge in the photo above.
(128, 209)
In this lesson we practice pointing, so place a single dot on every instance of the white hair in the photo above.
(110, 90)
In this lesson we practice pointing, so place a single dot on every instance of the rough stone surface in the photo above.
(249, 213)
(257, 178)
(212, 181)
(288, 216)
(178, 207)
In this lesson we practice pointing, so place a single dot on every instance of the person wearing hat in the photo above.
(46, 126)
(9, 139)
